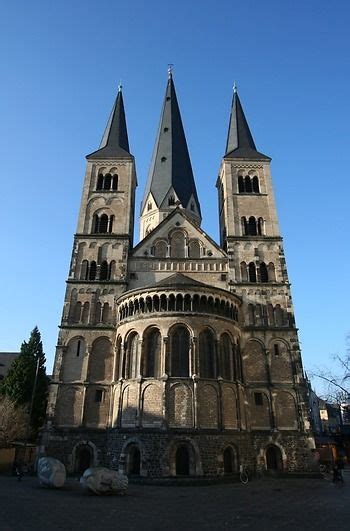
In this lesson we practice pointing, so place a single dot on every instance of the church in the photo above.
(178, 355)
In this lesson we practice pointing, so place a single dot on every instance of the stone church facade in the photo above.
(178, 355)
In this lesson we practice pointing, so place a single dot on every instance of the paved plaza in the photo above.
(266, 504)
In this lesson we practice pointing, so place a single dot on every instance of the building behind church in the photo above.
(178, 355)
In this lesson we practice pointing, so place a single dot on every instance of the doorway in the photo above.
(133, 461)
(83, 458)
(229, 461)
(182, 461)
(274, 459)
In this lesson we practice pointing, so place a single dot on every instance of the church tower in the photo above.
(84, 364)
(249, 233)
(178, 356)
(170, 181)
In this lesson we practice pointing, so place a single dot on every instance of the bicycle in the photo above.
(243, 475)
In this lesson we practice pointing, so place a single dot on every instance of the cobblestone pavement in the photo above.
(266, 504)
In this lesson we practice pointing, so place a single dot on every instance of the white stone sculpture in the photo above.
(102, 480)
(51, 472)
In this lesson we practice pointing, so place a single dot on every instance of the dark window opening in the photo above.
(149, 206)
(276, 349)
(256, 185)
(78, 348)
(240, 184)
(107, 181)
(252, 272)
(115, 182)
(171, 200)
(99, 395)
(163, 159)
(166, 129)
(192, 207)
(99, 185)
(264, 277)
(92, 271)
(248, 185)
(258, 398)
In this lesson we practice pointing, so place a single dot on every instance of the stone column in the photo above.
(164, 362)
(85, 364)
(195, 401)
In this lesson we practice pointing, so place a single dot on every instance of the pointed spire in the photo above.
(114, 143)
(171, 166)
(240, 143)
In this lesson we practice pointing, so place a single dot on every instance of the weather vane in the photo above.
(120, 86)
(170, 69)
(234, 87)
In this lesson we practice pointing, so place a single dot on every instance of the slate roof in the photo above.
(115, 142)
(171, 164)
(240, 143)
(178, 279)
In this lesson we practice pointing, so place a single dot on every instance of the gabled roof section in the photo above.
(240, 143)
(158, 231)
(171, 164)
(115, 142)
(178, 279)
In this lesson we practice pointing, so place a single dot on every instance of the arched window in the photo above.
(107, 181)
(194, 249)
(226, 355)
(110, 225)
(160, 249)
(252, 272)
(179, 351)
(115, 182)
(99, 185)
(104, 270)
(92, 270)
(85, 313)
(105, 313)
(241, 184)
(270, 315)
(192, 206)
(279, 321)
(171, 200)
(244, 274)
(248, 185)
(84, 271)
(207, 354)
(111, 270)
(252, 226)
(151, 354)
(178, 245)
(77, 312)
(132, 349)
(263, 272)
(103, 224)
(271, 272)
(260, 226)
(255, 183)
(245, 228)
(95, 223)
(251, 314)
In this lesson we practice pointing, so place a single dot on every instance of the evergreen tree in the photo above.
(19, 382)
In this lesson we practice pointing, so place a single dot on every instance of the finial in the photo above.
(120, 86)
(234, 88)
(170, 70)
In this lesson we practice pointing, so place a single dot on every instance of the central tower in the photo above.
(170, 181)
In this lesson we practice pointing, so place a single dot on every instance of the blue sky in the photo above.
(61, 63)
